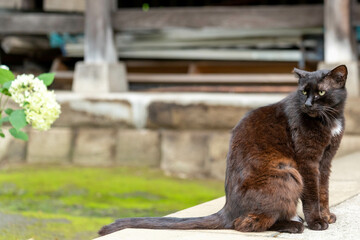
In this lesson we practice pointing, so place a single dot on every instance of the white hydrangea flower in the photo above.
(40, 105)
(4, 67)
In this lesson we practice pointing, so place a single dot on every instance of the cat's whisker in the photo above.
(327, 119)
(330, 109)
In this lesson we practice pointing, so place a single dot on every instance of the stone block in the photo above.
(53, 146)
(194, 116)
(100, 77)
(218, 145)
(94, 146)
(97, 113)
(184, 153)
(12, 150)
(138, 147)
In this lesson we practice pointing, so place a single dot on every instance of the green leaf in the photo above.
(5, 92)
(18, 119)
(47, 78)
(4, 119)
(2, 135)
(18, 134)
(6, 76)
(7, 85)
(5, 89)
(8, 111)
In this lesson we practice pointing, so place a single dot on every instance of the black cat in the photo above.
(278, 154)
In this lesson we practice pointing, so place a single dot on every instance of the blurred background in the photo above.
(175, 45)
(150, 91)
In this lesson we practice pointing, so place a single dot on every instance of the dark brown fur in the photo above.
(278, 154)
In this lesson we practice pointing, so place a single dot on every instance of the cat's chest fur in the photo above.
(312, 132)
(337, 128)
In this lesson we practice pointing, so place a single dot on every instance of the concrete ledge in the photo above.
(186, 134)
(344, 201)
(150, 110)
(147, 234)
(172, 110)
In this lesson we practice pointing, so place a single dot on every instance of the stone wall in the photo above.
(185, 134)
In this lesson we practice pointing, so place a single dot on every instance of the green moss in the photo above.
(73, 203)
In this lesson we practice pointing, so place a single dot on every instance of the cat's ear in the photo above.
(300, 73)
(339, 75)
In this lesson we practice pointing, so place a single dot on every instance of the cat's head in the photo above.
(322, 93)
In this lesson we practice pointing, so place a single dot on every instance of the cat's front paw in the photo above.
(318, 224)
(329, 217)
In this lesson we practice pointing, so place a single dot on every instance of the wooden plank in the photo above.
(274, 41)
(285, 16)
(24, 44)
(203, 67)
(213, 78)
(40, 23)
(286, 79)
(64, 5)
(215, 54)
(76, 50)
(175, 37)
(340, 45)
(232, 89)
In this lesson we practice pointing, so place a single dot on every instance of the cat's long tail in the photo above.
(214, 221)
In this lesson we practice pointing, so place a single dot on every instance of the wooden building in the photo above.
(193, 45)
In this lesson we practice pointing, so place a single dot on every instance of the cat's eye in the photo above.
(321, 93)
(304, 92)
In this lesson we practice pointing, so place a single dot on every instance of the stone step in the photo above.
(344, 201)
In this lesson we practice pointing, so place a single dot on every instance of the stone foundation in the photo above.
(186, 135)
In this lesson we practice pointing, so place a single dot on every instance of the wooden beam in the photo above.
(262, 17)
(285, 79)
(222, 17)
(232, 89)
(40, 23)
(99, 39)
(214, 78)
(339, 32)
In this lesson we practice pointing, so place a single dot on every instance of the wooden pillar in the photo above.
(339, 32)
(340, 42)
(101, 72)
(99, 39)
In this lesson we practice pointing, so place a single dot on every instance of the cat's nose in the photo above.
(308, 103)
